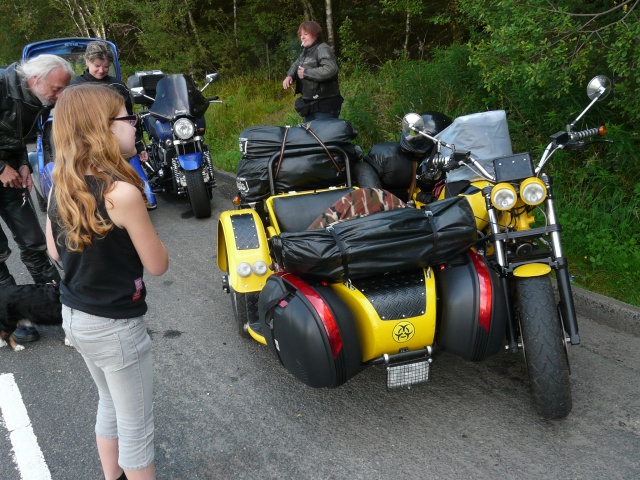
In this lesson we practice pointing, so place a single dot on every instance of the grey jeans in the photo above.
(118, 355)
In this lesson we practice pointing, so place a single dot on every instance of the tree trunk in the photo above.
(407, 30)
(329, 12)
(308, 10)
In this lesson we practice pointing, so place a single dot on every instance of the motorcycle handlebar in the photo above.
(591, 132)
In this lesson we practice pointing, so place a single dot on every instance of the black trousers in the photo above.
(25, 227)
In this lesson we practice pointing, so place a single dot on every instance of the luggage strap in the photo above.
(284, 141)
(343, 253)
(335, 164)
(434, 229)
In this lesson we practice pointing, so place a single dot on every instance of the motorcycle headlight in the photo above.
(184, 128)
(243, 269)
(533, 191)
(503, 196)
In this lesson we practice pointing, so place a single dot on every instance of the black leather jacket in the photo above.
(19, 113)
(320, 72)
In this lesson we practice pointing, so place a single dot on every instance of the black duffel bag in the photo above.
(300, 172)
(389, 241)
(264, 140)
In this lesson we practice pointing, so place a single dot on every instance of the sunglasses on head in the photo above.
(132, 119)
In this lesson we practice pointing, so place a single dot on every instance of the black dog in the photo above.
(38, 303)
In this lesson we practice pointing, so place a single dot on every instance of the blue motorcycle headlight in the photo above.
(184, 128)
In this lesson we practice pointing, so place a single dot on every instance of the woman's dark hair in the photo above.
(312, 28)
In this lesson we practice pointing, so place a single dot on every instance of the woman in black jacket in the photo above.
(316, 76)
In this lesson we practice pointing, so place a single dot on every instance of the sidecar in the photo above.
(392, 286)
(41, 159)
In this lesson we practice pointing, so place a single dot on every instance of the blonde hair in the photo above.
(84, 145)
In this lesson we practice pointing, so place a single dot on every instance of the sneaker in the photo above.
(26, 334)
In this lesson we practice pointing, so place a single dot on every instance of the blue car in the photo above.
(71, 49)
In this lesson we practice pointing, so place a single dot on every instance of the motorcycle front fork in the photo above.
(559, 264)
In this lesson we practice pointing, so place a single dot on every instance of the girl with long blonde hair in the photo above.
(99, 228)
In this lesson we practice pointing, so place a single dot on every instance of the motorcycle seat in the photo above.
(295, 212)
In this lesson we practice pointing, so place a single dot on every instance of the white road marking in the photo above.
(13, 414)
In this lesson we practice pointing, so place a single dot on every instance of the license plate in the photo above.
(406, 374)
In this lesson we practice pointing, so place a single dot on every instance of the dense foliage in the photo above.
(531, 58)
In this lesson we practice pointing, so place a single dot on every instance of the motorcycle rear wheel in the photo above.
(543, 345)
(198, 194)
(245, 309)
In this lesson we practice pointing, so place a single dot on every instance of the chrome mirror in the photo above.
(412, 122)
(599, 88)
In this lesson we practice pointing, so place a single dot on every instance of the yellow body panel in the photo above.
(532, 270)
(229, 255)
(378, 336)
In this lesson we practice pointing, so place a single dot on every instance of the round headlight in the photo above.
(503, 196)
(243, 269)
(184, 128)
(260, 268)
(533, 191)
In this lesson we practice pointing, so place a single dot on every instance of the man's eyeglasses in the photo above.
(132, 119)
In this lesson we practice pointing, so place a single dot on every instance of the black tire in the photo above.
(198, 195)
(245, 309)
(544, 348)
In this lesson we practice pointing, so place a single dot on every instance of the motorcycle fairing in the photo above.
(176, 95)
(381, 336)
(242, 238)
(71, 49)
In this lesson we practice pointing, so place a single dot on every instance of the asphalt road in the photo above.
(226, 409)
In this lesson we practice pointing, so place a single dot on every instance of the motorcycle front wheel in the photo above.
(198, 194)
(543, 345)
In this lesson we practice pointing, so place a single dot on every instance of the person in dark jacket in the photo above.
(98, 57)
(28, 90)
(316, 75)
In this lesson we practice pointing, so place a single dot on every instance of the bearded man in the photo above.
(28, 91)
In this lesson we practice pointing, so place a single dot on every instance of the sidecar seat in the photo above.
(296, 211)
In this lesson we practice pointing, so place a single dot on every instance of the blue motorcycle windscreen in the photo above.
(178, 94)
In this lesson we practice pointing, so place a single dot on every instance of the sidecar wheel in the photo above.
(198, 195)
(245, 309)
(544, 348)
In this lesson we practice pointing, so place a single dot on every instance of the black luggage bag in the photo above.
(310, 330)
(388, 241)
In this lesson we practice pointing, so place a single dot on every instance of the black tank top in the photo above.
(106, 278)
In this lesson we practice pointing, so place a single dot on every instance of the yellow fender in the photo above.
(242, 238)
(532, 270)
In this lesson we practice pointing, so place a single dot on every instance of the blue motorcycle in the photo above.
(42, 158)
(179, 161)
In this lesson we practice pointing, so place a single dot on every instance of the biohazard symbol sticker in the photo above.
(403, 332)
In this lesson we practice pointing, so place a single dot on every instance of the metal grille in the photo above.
(395, 296)
(245, 232)
(407, 374)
